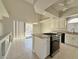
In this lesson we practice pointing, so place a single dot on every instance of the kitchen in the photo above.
(54, 33)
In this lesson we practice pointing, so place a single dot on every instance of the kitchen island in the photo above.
(45, 45)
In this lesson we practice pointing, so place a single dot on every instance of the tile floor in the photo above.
(22, 49)
(66, 52)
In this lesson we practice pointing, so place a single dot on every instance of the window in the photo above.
(72, 24)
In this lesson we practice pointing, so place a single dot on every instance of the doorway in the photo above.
(28, 35)
(28, 30)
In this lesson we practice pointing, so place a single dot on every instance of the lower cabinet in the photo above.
(3, 49)
(0, 52)
(4, 45)
(71, 39)
(41, 47)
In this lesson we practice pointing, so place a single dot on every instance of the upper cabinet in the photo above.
(3, 12)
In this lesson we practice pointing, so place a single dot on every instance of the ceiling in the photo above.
(20, 10)
(3, 12)
(42, 17)
(63, 6)
(35, 10)
(31, 1)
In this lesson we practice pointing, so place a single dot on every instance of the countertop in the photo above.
(66, 32)
(73, 33)
(40, 35)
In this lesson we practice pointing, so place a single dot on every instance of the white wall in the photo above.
(19, 31)
(1, 29)
(36, 28)
(53, 25)
(6, 26)
(50, 25)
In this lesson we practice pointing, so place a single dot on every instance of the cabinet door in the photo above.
(3, 48)
(0, 52)
(75, 40)
(6, 43)
(67, 37)
(41, 47)
(71, 39)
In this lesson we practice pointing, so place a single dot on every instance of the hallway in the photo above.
(21, 49)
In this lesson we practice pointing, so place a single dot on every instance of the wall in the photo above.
(1, 29)
(36, 28)
(19, 31)
(58, 24)
(6, 26)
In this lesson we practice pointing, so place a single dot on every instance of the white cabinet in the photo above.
(41, 47)
(5, 45)
(0, 52)
(71, 39)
